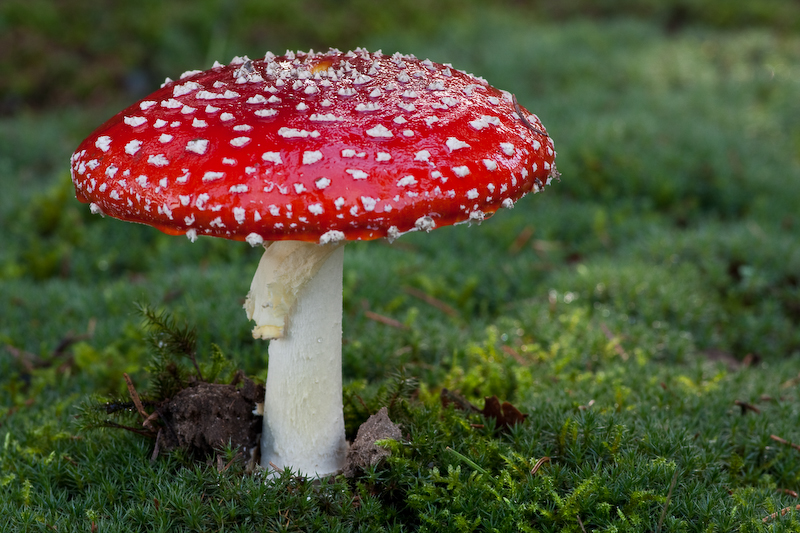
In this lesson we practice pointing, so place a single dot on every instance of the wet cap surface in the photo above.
(315, 147)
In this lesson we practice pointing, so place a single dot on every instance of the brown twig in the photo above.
(31, 361)
(430, 300)
(666, 503)
(68, 341)
(363, 403)
(447, 397)
(221, 466)
(28, 360)
(238, 376)
(157, 447)
(515, 354)
(391, 322)
(142, 432)
(167, 424)
(539, 464)
(747, 407)
(521, 240)
(135, 397)
(148, 422)
(250, 466)
(782, 512)
(786, 442)
(580, 523)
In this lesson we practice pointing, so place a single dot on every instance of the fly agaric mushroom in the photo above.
(300, 153)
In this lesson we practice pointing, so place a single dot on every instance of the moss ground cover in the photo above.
(644, 312)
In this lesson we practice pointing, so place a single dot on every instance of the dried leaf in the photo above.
(505, 414)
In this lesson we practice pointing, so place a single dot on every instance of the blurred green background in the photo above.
(57, 53)
(676, 124)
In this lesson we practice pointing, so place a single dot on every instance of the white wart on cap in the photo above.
(315, 147)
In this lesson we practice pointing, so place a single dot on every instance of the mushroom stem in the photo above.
(283, 271)
(303, 416)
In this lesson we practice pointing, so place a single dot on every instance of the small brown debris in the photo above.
(364, 453)
(136, 400)
(751, 359)
(515, 354)
(505, 414)
(782, 512)
(221, 465)
(157, 447)
(722, 356)
(69, 340)
(580, 523)
(391, 322)
(521, 240)
(448, 397)
(430, 300)
(791, 382)
(784, 441)
(747, 407)
(28, 360)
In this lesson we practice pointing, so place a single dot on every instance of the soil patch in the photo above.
(208, 416)
(363, 452)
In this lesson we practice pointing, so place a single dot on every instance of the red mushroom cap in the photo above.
(315, 147)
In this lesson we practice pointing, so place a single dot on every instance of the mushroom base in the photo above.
(303, 410)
